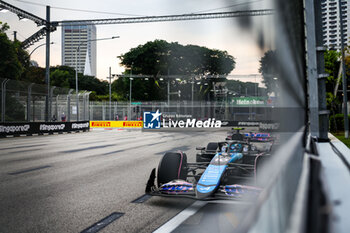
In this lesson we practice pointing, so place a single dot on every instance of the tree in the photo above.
(13, 59)
(64, 76)
(332, 64)
(159, 57)
(59, 78)
(34, 74)
(269, 70)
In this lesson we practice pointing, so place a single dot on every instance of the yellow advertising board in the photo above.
(116, 124)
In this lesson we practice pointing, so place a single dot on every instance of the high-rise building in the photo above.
(331, 23)
(74, 36)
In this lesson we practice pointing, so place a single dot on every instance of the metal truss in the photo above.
(151, 19)
(36, 37)
(22, 14)
(147, 19)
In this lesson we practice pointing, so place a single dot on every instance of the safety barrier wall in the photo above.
(30, 128)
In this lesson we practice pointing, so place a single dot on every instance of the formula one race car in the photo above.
(223, 178)
(252, 145)
(235, 134)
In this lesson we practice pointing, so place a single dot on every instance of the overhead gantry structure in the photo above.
(166, 18)
(128, 20)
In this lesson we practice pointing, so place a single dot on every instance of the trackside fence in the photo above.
(25, 102)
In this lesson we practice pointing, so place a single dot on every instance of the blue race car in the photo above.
(253, 143)
(222, 178)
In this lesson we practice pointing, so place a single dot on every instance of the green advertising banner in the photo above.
(248, 101)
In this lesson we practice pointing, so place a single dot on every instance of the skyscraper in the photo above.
(331, 23)
(74, 36)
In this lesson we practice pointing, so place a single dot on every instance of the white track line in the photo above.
(176, 221)
(173, 223)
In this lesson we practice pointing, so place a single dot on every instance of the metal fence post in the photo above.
(29, 101)
(68, 104)
(87, 94)
(57, 106)
(50, 102)
(84, 107)
(78, 109)
(3, 99)
(103, 111)
(85, 101)
(315, 71)
(47, 68)
(91, 111)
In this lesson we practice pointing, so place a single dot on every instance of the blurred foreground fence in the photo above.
(25, 102)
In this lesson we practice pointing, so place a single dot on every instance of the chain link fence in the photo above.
(25, 102)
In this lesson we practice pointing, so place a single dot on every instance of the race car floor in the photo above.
(89, 182)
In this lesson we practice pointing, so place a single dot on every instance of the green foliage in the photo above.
(331, 63)
(114, 97)
(59, 78)
(14, 109)
(64, 76)
(141, 89)
(336, 122)
(4, 27)
(34, 74)
(11, 66)
(269, 70)
(342, 138)
(92, 83)
(161, 58)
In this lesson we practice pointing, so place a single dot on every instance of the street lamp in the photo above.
(110, 93)
(76, 67)
(130, 91)
(38, 47)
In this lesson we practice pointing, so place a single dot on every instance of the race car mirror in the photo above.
(200, 148)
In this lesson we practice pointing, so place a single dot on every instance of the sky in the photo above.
(231, 35)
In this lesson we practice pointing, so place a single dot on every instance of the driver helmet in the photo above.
(224, 148)
(235, 147)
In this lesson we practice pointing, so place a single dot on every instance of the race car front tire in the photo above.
(171, 167)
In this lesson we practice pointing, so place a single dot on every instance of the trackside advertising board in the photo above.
(116, 124)
(155, 120)
(31, 128)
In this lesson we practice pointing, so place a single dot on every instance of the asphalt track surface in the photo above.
(70, 182)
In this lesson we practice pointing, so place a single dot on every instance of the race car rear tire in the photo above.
(212, 146)
(171, 167)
